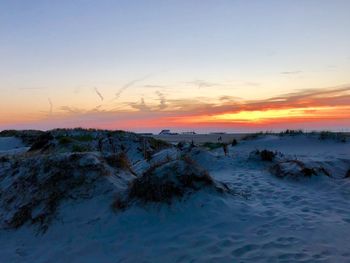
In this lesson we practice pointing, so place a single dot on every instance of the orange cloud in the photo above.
(306, 108)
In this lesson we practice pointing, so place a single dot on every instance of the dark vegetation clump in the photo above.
(57, 168)
(21, 216)
(65, 140)
(42, 143)
(186, 146)
(119, 161)
(4, 159)
(212, 145)
(27, 136)
(296, 169)
(166, 181)
(40, 185)
(234, 142)
(252, 136)
(9, 133)
(119, 204)
(156, 144)
(153, 188)
(76, 138)
(81, 148)
(181, 145)
(308, 172)
(149, 146)
(291, 132)
(265, 155)
(84, 138)
(337, 136)
(225, 149)
(347, 175)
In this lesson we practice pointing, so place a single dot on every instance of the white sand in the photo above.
(10, 145)
(282, 221)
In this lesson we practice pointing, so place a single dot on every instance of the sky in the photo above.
(223, 65)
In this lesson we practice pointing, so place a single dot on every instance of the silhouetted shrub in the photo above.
(212, 145)
(180, 145)
(156, 144)
(84, 138)
(252, 136)
(119, 204)
(291, 132)
(234, 142)
(328, 135)
(347, 175)
(65, 140)
(165, 181)
(120, 161)
(42, 142)
(22, 215)
(308, 172)
(296, 169)
(265, 155)
(80, 148)
(225, 149)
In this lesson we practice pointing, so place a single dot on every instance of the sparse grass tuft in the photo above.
(80, 148)
(118, 204)
(164, 181)
(291, 132)
(347, 175)
(156, 144)
(42, 142)
(328, 135)
(265, 155)
(234, 142)
(252, 136)
(120, 161)
(212, 145)
(84, 138)
(296, 169)
(65, 140)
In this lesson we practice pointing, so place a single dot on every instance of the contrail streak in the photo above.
(99, 94)
(51, 106)
(129, 84)
(162, 100)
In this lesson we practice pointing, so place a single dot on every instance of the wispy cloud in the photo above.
(162, 100)
(71, 110)
(202, 83)
(291, 72)
(32, 88)
(99, 94)
(154, 86)
(303, 106)
(331, 97)
(141, 106)
(130, 84)
(50, 106)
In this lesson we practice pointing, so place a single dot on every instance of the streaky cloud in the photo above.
(99, 94)
(162, 100)
(50, 106)
(130, 84)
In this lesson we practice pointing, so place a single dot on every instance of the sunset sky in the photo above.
(231, 65)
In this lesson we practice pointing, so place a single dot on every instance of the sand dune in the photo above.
(266, 219)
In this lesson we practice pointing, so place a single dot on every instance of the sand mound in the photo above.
(33, 188)
(296, 170)
(164, 182)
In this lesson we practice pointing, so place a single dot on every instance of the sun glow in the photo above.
(261, 116)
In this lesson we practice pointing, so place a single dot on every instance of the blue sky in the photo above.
(249, 49)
